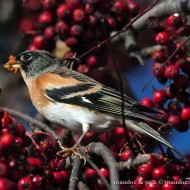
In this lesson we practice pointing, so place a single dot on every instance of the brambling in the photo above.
(75, 100)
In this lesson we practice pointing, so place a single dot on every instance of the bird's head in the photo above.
(33, 63)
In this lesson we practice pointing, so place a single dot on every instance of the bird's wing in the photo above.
(80, 90)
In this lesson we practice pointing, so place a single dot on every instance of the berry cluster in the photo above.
(159, 174)
(39, 168)
(174, 98)
(20, 168)
(80, 24)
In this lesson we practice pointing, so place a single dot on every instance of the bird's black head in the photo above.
(37, 62)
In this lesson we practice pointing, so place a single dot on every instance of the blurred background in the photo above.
(14, 93)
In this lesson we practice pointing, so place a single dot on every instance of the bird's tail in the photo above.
(142, 127)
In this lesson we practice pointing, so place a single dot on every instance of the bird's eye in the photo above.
(26, 57)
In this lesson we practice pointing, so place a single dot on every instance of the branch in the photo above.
(82, 186)
(162, 10)
(32, 120)
(101, 150)
(139, 160)
(74, 178)
(145, 52)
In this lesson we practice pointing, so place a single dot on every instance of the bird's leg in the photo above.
(85, 128)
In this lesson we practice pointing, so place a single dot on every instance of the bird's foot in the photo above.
(72, 150)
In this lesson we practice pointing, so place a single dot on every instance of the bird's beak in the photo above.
(12, 64)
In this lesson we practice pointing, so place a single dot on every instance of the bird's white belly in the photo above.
(73, 119)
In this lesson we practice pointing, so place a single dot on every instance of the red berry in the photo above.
(45, 18)
(69, 54)
(20, 130)
(169, 186)
(74, 4)
(104, 172)
(49, 32)
(6, 141)
(78, 15)
(111, 22)
(174, 120)
(119, 7)
(37, 181)
(62, 28)
(65, 175)
(138, 182)
(91, 21)
(26, 25)
(179, 170)
(159, 172)
(6, 184)
(76, 30)
(174, 20)
(159, 97)
(145, 170)
(58, 178)
(3, 170)
(183, 48)
(152, 185)
(171, 71)
(185, 113)
(48, 3)
(33, 165)
(176, 177)
(91, 60)
(89, 9)
(82, 68)
(181, 82)
(158, 56)
(39, 41)
(133, 7)
(25, 183)
(119, 132)
(174, 107)
(147, 102)
(19, 142)
(158, 67)
(161, 38)
(90, 174)
(63, 11)
(126, 155)
(71, 41)
(170, 91)
(32, 47)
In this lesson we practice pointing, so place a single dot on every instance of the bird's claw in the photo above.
(72, 151)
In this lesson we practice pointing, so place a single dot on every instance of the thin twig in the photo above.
(122, 98)
(29, 119)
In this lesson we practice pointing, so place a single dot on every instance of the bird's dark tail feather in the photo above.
(146, 129)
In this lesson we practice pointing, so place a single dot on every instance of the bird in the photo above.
(76, 101)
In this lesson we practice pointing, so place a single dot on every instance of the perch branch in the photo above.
(74, 178)
(101, 150)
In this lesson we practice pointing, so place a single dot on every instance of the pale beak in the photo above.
(12, 64)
